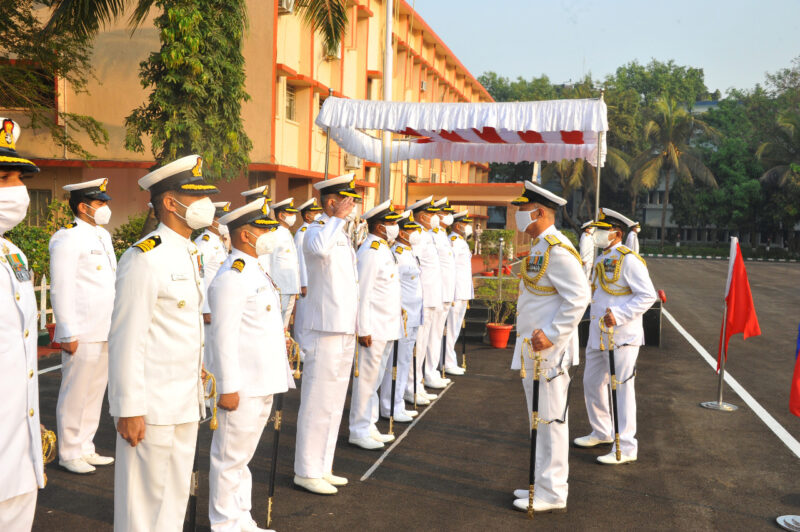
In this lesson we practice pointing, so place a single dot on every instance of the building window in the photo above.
(291, 103)
(37, 212)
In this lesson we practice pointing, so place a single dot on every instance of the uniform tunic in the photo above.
(553, 299)
(157, 312)
(587, 249)
(214, 253)
(248, 356)
(622, 284)
(380, 317)
(329, 331)
(632, 241)
(431, 276)
(297, 333)
(284, 268)
(464, 291)
(447, 280)
(21, 466)
(83, 271)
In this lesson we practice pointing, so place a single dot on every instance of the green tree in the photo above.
(31, 62)
(671, 155)
(657, 80)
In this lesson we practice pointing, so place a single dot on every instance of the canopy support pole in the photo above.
(386, 144)
(599, 155)
(327, 143)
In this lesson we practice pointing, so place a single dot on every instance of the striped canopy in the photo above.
(484, 132)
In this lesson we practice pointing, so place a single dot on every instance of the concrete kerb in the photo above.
(709, 257)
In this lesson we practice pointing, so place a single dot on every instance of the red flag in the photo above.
(794, 394)
(740, 313)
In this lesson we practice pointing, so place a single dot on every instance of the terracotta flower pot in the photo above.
(498, 334)
(51, 330)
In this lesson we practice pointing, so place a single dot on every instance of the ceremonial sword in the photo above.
(613, 382)
(194, 487)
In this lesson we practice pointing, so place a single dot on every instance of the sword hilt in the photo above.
(212, 395)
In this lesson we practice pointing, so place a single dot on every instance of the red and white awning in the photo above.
(485, 132)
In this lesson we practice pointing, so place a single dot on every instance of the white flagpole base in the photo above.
(720, 405)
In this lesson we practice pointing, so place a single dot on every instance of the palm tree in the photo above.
(782, 155)
(670, 156)
(85, 17)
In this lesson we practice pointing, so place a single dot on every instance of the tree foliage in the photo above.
(31, 63)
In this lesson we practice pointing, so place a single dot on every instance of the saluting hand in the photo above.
(539, 341)
(344, 208)
(131, 429)
(609, 318)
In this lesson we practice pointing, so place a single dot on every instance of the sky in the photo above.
(735, 41)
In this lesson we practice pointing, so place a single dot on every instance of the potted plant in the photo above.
(500, 296)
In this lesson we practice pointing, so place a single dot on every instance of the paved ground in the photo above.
(697, 469)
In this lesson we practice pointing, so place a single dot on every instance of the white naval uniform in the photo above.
(248, 357)
(411, 301)
(284, 269)
(330, 326)
(431, 277)
(556, 308)
(380, 317)
(214, 253)
(632, 241)
(447, 278)
(464, 291)
(626, 272)
(83, 270)
(21, 467)
(297, 333)
(587, 250)
(157, 312)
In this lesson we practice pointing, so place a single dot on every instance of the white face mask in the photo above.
(102, 215)
(414, 238)
(291, 219)
(468, 231)
(602, 238)
(447, 219)
(199, 214)
(317, 216)
(523, 220)
(435, 221)
(223, 229)
(14, 203)
(391, 232)
(265, 243)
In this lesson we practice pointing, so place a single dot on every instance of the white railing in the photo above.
(43, 310)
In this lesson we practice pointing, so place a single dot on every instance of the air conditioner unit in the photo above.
(351, 162)
(285, 6)
(434, 177)
(423, 86)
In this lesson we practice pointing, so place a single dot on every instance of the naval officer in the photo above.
(379, 323)
(425, 213)
(411, 301)
(157, 400)
(435, 352)
(586, 248)
(213, 251)
(622, 293)
(83, 270)
(310, 211)
(464, 291)
(248, 358)
(330, 329)
(553, 295)
(632, 240)
(21, 467)
(284, 267)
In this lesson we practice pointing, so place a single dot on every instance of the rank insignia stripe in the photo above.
(376, 244)
(303, 229)
(454, 238)
(148, 244)
(399, 250)
(237, 265)
(206, 238)
(552, 240)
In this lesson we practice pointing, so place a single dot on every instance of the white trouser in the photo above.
(326, 374)
(552, 441)
(16, 513)
(405, 352)
(84, 376)
(232, 447)
(287, 305)
(596, 393)
(372, 362)
(423, 337)
(434, 351)
(151, 480)
(299, 319)
(455, 317)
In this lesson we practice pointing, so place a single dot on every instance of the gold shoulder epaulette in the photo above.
(68, 226)
(624, 250)
(148, 244)
(237, 265)
(303, 229)
(398, 250)
(206, 238)
(454, 237)
(552, 240)
(376, 244)
(320, 222)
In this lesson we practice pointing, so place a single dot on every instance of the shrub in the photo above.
(128, 233)
(500, 295)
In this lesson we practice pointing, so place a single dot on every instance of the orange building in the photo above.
(289, 74)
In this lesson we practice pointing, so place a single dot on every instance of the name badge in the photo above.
(341, 243)
(96, 252)
(261, 289)
(179, 277)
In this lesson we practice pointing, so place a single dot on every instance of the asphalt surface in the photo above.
(455, 469)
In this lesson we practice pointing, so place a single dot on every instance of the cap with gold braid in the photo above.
(184, 175)
(254, 193)
(534, 193)
(407, 223)
(609, 218)
(89, 190)
(424, 205)
(9, 158)
(382, 212)
(309, 205)
(444, 205)
(286, 205)
(221, 208)
(254, 213)
(462, 217)
(344, 185)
